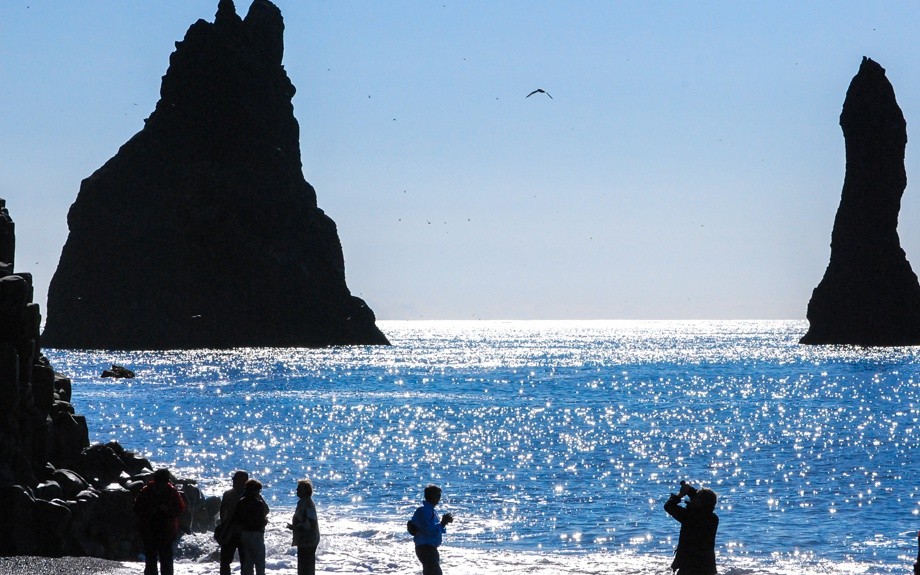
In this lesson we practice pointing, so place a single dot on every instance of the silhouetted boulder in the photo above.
(17, 521)
(118, 371)
(202, 231)
(52, 522)
(48, 490)
(869, 294)
(70, 482)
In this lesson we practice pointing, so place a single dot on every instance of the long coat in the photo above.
(305, 524)
(158, 507)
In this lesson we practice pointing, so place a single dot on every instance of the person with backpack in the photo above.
(158, 507)
(428, 530)
(251, 517)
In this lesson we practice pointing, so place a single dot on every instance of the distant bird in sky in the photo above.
(539, 91)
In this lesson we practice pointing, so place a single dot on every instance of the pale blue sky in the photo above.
(689, 164)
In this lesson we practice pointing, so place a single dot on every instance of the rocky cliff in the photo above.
(869, 294)
(202, 231)
(58, 494)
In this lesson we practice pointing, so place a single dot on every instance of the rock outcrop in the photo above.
(58, 494)
(202, 231)
(869, 294)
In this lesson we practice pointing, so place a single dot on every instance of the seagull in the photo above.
(539, 91)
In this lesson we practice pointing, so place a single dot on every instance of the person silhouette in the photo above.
(695, 554)
(229, 538)
(305, 526)
(917, 562)
(429, 530)
(251, 517)
(158, 507)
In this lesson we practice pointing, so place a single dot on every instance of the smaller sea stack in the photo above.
(869, 294)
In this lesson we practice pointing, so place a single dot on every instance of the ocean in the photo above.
(556, 442)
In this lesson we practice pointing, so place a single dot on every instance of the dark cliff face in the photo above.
(202, 231)
(60, 495)
(869, 294)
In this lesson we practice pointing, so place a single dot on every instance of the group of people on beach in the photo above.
(244, 515)
(240, 529)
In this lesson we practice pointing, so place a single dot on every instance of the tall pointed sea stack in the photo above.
(869, 294)
(202, 231)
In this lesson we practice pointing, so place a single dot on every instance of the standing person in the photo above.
(696, 546)
(158, 507)
(251, 517)
(305, 525)
(229, 538)
(429, 530)
(917, 562)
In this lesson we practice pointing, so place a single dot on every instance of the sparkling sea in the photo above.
(556, 442)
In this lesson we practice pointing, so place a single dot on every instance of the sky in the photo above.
(688, 165)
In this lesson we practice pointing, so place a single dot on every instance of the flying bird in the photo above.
(539, 91)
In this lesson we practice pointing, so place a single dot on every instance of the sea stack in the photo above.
(869, 294)
(201, 232)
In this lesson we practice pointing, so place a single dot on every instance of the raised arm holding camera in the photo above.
(696, 544)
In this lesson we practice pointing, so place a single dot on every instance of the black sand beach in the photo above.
(67, 566)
